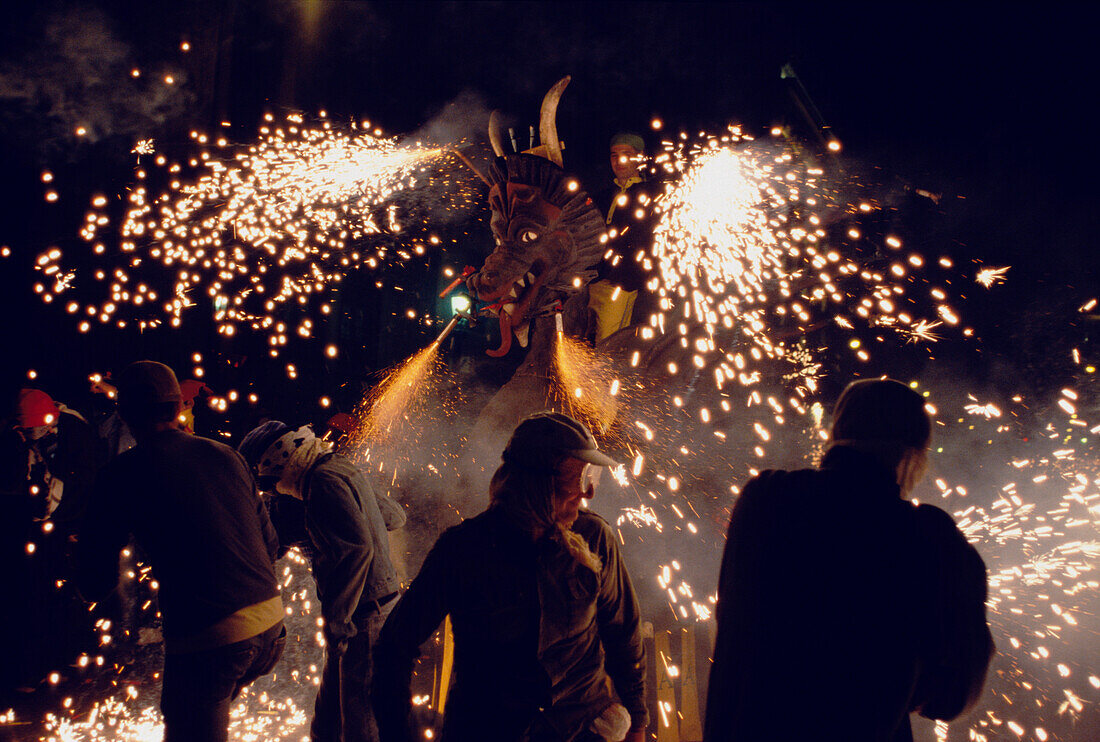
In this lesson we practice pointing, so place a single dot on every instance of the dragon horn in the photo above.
(548, 127)
(494, 134)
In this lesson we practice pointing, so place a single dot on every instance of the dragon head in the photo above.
(548, 233)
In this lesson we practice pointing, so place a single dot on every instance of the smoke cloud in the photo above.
(462, 120)
(76, 84)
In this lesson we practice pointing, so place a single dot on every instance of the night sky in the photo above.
(989, 107)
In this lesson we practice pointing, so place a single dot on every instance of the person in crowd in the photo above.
(59, 455)
(112, 432)
(192, 506)
(843, 606)
(622, 275)
(191, 391)
(345, 527)
(47, 465)
(548, 643)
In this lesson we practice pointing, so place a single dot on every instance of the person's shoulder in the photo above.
(935, 522)
(800, 492)
(471, 533)
(336, 466)
(593, 528)
(933, 517)
(772, 483)
(590, 521)
(198, 442)
(943, 541)
(180, 438)
(475, 525)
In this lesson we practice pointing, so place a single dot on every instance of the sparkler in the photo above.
(990, 276)
(398, 400)
(261, 232)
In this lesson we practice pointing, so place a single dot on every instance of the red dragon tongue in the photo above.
(505, 335)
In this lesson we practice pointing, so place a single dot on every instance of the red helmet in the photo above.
(34, 408)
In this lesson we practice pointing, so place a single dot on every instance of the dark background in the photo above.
(990, 107)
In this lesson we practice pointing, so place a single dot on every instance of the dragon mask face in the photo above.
(548, 233)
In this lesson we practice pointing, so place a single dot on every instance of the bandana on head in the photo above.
(290, 457)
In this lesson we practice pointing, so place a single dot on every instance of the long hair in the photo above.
(526, 496)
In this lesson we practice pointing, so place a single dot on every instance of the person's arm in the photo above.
(102, 534)
(958, 646)
(267, 527)
(417, 614)
(343, 550)
(619, 618)
(393, 515)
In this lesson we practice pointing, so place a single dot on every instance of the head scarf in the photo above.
(290, 457)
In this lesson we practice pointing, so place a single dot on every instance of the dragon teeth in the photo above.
(509, 308)
(512, 293)
(530, 277)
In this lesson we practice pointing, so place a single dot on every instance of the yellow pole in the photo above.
(691, 728)
(668, 723)
(448, 663)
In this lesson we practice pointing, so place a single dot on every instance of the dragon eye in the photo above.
(528, 235)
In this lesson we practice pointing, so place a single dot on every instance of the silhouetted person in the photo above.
(546, 623)
(192, 505)
(59, 455)
(47, 465)
(842, 606)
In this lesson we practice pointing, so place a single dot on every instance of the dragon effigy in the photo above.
(549, 237)
(547, 230)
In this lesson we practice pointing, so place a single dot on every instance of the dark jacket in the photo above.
(841, 608)
(633, 235)
(192, 505)
(349, 545)
(538, 638)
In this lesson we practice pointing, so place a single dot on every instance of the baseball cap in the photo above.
(628, 138)
(148, 383)
(548, 435)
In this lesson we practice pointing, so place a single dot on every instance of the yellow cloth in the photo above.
(243, 624)
(613, 307)
(623, 188)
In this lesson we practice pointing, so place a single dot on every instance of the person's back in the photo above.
(192, 505)
(843, 607)
(183, 498)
